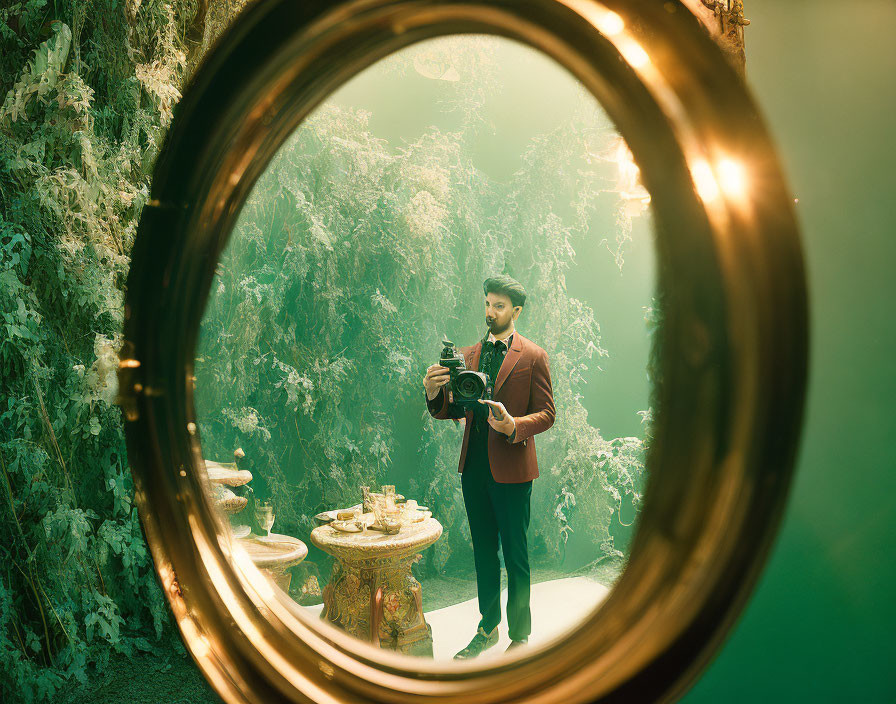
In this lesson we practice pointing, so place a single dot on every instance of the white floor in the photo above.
(557, 606)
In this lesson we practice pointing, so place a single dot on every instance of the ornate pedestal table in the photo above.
(372, 593)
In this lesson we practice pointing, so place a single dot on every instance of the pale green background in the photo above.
(820, 625)
(531, 96)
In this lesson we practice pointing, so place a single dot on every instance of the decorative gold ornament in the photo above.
(725, 21)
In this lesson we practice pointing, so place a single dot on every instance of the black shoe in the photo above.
(514, 644)
(481, 641)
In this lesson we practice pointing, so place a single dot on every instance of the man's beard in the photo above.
(492, 324)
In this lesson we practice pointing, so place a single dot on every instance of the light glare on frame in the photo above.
(633, 52)
(196, 641)
(705, 181)
(729, 177)
(611, 24)
(732, 177)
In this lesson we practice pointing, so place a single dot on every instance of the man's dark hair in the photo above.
(510, 287)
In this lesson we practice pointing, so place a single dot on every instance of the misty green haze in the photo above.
(368, 239)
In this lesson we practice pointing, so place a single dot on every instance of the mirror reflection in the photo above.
(422, 381)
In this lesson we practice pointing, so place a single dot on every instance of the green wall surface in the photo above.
(819, 626)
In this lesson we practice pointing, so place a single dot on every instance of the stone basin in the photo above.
(227, 473)
(275, 554)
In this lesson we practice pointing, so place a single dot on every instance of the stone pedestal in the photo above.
(274, 554)
(372, 593)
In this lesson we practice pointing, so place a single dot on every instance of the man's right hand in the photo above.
(436, 377)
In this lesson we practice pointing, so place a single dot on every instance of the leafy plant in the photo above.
(87, 96)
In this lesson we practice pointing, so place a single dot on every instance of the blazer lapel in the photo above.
(510, 359)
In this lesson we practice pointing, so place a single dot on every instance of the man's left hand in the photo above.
(499, 418)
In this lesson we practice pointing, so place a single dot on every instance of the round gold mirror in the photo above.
(259, 123)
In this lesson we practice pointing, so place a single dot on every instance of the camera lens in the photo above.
(469, 385)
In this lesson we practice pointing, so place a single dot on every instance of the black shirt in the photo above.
(490, 360)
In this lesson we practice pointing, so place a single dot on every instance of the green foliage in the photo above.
(87, 90)
(349, 262)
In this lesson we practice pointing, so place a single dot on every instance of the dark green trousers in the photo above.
(498, 512)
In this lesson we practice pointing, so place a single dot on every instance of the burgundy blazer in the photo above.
(524, 387)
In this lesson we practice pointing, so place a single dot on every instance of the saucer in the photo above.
(345, 526)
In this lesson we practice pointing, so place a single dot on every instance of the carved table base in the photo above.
(372, 593)
(380, 601)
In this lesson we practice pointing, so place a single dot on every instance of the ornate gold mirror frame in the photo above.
(732, 353)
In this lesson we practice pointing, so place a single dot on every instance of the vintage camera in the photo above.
(466, 385)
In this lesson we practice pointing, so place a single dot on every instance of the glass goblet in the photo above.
(264, 514)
